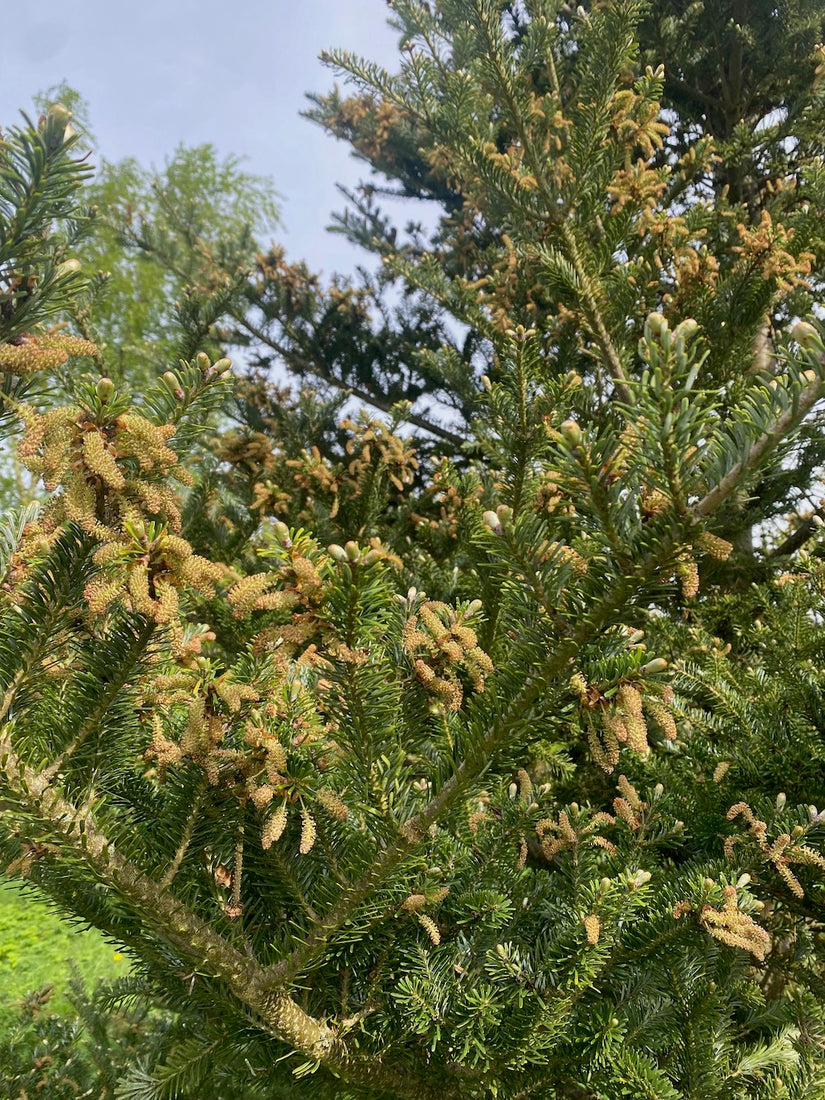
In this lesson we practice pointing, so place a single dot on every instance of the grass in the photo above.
(38, 948)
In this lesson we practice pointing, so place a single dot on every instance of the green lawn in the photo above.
(37, 948)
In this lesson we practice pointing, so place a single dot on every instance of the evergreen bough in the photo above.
(482, 761)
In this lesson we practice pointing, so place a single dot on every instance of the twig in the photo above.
(185, 840)
(376, 400)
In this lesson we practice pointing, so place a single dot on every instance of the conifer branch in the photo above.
(108, 696)
(376, 400)
(799, 536)
(279, 1014)
(489, 977)
(473, 766)
(413, 831)
(251, 984)
(790, 419)
(11, 691)
(289, 879)
(32, 660)
(186, 837)
(592, 310)
(593, 313)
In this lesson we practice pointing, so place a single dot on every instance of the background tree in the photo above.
(741, 96)
(160, 244)
(464, 777)
(166, 241)
(156, 246)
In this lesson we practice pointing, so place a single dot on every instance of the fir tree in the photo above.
(460, 774)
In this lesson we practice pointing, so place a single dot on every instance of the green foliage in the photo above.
(471, 750)
(39, 189)
(64, 1056)
(162, 239)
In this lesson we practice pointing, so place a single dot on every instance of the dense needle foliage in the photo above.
(466, 739)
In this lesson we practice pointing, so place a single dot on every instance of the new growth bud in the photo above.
(492, 521)
(571, 433)
(281, 533)
(173, 383)
(686, 329)
(656, 326)
(806, 336)
(59, 116)
(56, 125)
(68, 267)
(105, 388)
(658, 664)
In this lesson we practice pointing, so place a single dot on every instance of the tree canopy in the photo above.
(449, 722)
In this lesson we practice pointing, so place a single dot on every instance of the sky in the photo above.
(159, 72)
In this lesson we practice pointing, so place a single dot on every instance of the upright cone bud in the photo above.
(658, 664)
(687, 329)
(656, 325)
(59, 115)
(68, 267)
(173, 383)
(492, 521)
(105, 388)
(56, 126)
(806, 336)
(281, 533)
(571, 433)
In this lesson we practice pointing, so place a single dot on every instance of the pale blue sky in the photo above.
(157, 72)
